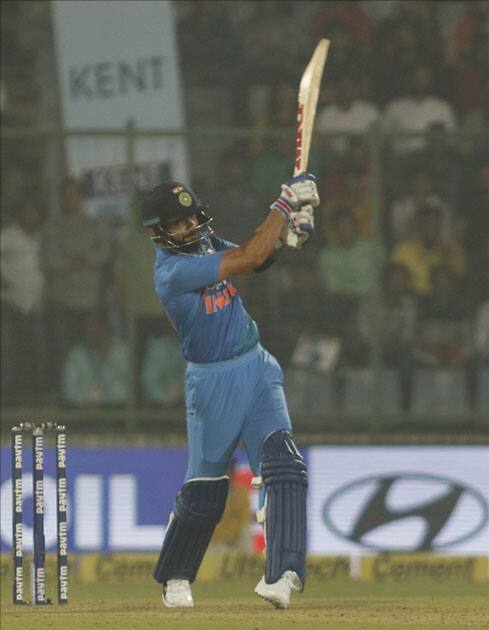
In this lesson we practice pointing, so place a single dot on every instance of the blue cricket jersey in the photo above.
(208, 315)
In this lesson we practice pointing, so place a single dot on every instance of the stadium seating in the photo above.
(309, 393)
(483, 393)
(440, 391)
(359, 396)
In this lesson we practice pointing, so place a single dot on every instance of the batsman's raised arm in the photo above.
(285, 213)
(256, 250)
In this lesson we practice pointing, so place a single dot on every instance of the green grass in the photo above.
(233, 606)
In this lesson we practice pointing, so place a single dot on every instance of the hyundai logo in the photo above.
(406, 512)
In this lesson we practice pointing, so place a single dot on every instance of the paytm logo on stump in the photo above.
(118, 499)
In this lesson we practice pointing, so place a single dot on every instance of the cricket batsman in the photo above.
(233, 386)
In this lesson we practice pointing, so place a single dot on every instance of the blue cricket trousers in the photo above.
(226, 401)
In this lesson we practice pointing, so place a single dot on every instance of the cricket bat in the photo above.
(307, 104)
(306, 114)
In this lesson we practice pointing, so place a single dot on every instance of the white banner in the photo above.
(369, 499)
(117, 61)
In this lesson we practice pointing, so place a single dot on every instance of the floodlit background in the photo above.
(381, 323)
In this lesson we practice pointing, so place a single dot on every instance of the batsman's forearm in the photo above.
(263, 243)
(252, 254)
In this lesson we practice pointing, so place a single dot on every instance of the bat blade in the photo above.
(307, 104)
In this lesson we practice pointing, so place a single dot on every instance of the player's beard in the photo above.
(199, 245)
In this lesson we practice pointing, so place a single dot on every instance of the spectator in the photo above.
(210, 51)
(444, 332)
(354, 160)
(471, 24)
(349, 53)
(209, 45)
(78, 248)
(354, 17)
(442, 160)
(299, 304)
(347, 113)
(316, 353)
(470, 72)
(349, 265)
(348, 268)
(407, 37)
(397, 315)
(348, 187)
(272, 161)
(403, 212)
(395, 320)
(428, 249)
(417, 111)
(163, 369)
(23, 335)
(397, 54)
(96, 370)
(421, 19)
(476, 123)
(267, 33)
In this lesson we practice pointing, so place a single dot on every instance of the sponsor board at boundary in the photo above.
(362, 500)
(123, 568)
(403, 567)
(398, 499)
(231, 565)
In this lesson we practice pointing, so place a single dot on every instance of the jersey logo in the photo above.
(218, 297)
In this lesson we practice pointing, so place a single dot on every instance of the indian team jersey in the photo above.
(208, 315)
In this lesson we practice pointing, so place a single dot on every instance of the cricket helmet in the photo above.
(167, 204)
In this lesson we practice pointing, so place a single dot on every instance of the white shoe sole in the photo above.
(186, 604)
(274, 598)
(275, 601)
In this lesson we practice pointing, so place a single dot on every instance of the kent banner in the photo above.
(108, 74)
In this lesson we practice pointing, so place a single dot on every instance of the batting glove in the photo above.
(298, 191)
(300, 227)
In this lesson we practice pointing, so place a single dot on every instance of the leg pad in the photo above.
(198, 509)
(285, 477)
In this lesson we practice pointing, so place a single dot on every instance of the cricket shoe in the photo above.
(279, 592)
(177, 594)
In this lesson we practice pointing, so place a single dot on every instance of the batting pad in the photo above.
(198, 509)
(285, 477)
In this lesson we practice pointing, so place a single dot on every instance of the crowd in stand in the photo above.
(421, 289)
(60, 339)
(398, 67)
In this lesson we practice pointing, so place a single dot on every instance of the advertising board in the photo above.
(362, 500)
(404, 499)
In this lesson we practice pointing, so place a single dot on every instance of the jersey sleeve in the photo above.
(188, 273)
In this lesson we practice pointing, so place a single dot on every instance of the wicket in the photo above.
(38, 578)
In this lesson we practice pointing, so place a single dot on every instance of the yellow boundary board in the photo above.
(138, 567)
